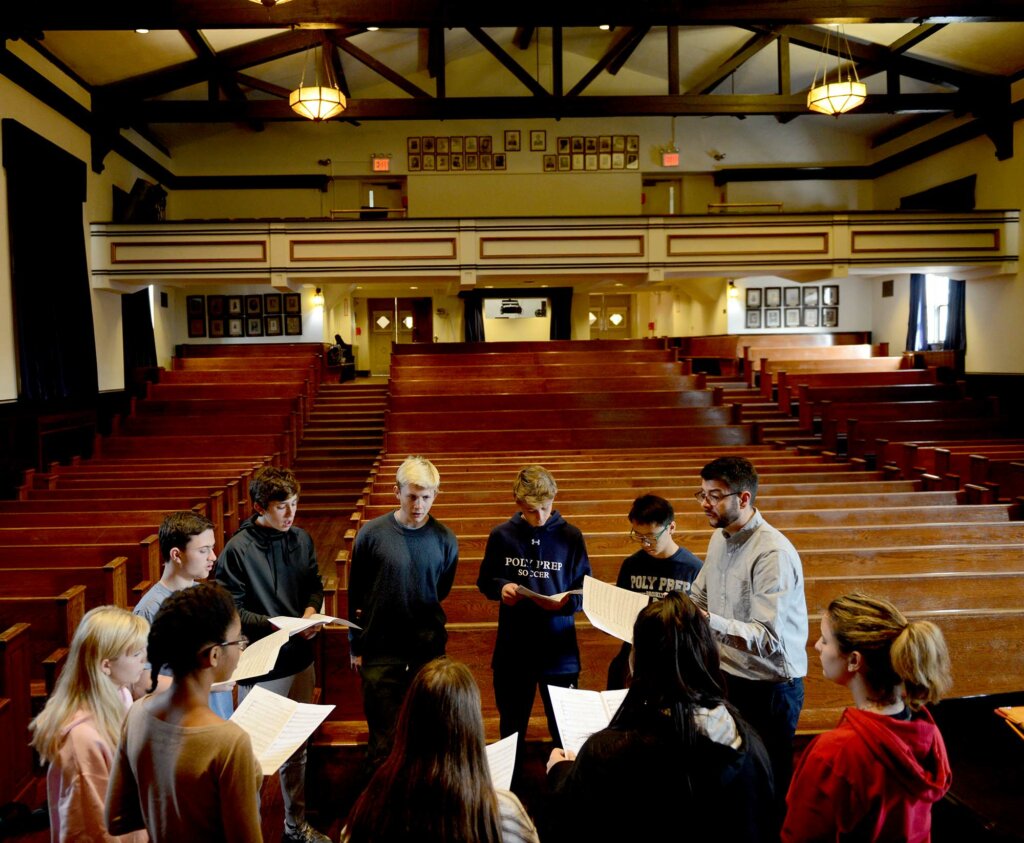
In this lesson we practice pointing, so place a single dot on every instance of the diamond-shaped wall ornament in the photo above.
(616, 319)
(383, 322)
(591, 317)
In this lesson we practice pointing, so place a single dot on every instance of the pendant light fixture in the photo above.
(845, 91)
(321, 100)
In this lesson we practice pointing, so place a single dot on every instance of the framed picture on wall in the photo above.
(271, 303)
(471, 143)
(632, 161)
(457, 161)
(412, 146)
(618, 143)
(791, 296)
(215, 307)
(442, 146)
(792, 315)
(773, 297)
(429, 145)
(486, 145)
(810, 318)
(254, 305)
(415, 163)
(272, 326)
(500, 160)
(538, 140)
(564, 162)
(293, 326)
(486, 161)
(753, 318)
(254, 326)
(772, 317)
(590, 145)
(195, 306)
(456, 145)
(810, 296)
(550, 163)
(830, 317)
(216, 328)
(512, 140)
(292, 303)
(830, 295)
(564, 146)
(235, 327)
(618, 160)
(234, 304)
(443, 161)
(753, 297)
(604, 143)
(197, 326)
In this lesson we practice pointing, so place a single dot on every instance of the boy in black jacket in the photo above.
(269, 567)
(535, 549)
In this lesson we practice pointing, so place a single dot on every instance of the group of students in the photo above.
(713, 683)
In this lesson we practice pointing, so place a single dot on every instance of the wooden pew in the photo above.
(249, 445)
(608, 437)
(266, 362)
(250, 349)
(811, 398)
(771, 367)
(77, 546)
(924, 457)
(402, 362)
(552, 401)
(524, 384)
(755, 353)
(107, 585)
(519, 346)
(835, 416)
(720, 353)
(549, 420)
(54, 619)
(600, 368)
(788, 382)
(883, 438)
(16, 771)
(226, 392)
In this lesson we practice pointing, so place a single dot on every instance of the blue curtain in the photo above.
(956, 318)
(917, 324)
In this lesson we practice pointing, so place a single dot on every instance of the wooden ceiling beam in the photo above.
(914, 37)
(754, 45)
(464, 108)
(624, 40)
(377, 66)
(506, 61)
(234, 14)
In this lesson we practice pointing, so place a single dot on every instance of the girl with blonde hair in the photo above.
(78, 730)
(877, 774)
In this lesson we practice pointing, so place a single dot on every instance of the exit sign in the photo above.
(381, 165)
(670, 159)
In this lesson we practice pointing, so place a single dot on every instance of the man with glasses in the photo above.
(658, 567)
(269, 567)
(752, 588)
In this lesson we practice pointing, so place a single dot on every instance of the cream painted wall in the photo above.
(535, 329)
(995, 342)
(889, 316)
(806, 195)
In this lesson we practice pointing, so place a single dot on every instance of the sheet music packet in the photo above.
(501, 758)
(259, 658)
(276, 725)
(612, 609)
(294, 625)
(581, 713)
(553, 598)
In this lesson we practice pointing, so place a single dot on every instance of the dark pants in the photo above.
(514, 692)
(384, 688)
(772, 709)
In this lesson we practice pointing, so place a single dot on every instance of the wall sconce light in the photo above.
(318, 298)
(734, 292)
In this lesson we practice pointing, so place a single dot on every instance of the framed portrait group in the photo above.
(457, 152)
(254, 315)
(808, 306)
(594, 152)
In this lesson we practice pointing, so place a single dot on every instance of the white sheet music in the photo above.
(612, 609)
(260, 657)
(501, 758)
(277, 725)
(294, 625)
(581, 713)
(554, 598)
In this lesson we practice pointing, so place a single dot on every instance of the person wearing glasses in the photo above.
(532, 564)
(658, 567)
(751, 586)
(181, 772)
(269, 568)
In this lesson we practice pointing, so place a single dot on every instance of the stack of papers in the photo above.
(612, 609)
(294, 625)
(579, 714)
(501, 758)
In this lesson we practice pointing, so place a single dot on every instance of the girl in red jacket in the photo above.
(876, 776)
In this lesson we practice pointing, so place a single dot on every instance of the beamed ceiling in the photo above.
(234, 61)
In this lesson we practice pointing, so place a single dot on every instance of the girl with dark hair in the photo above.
(877, 774)
(676, 756)
(181, 771)
(435, 786)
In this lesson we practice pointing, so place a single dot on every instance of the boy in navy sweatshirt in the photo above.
(536, 549)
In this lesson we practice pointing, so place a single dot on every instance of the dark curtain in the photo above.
(49, 276)
(956, 317)
(137, 333)
(473, 318)
(561, 313)
(917, 324)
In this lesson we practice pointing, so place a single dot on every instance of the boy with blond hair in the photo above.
(403, 566)
(536, 645)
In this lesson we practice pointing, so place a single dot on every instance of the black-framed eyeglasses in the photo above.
(713, 496)
(648, 541)
(241, 642)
